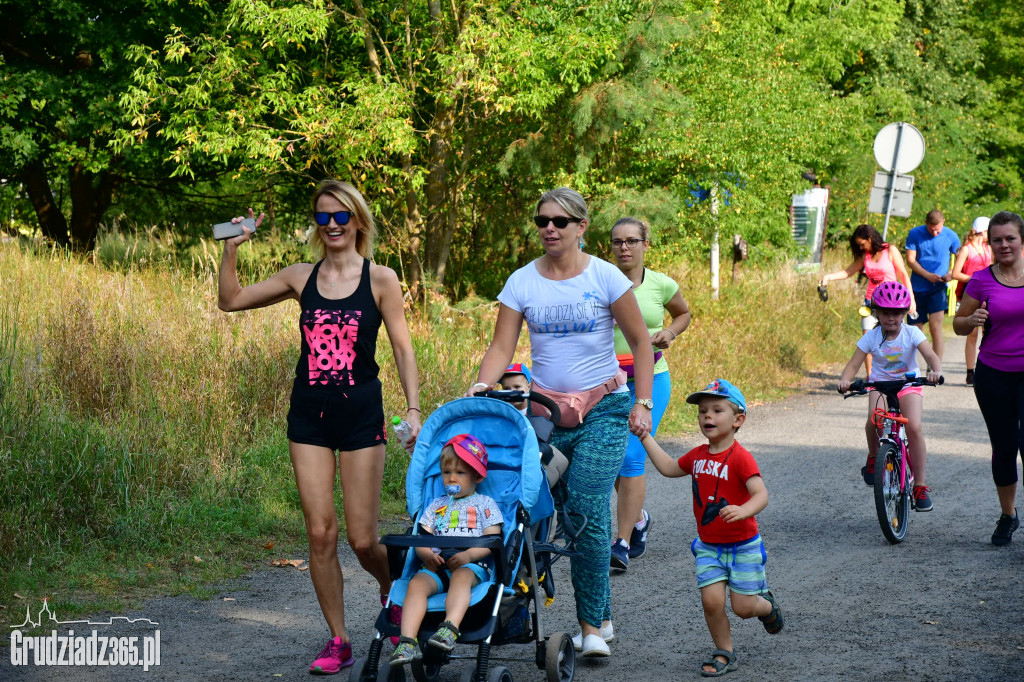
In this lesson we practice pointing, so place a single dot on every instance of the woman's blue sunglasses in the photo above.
(340, 217)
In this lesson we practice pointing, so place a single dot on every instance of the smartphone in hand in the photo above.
(229, 229)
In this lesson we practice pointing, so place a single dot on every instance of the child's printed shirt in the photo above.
(892, 359)
(469, 516)
(718, 476)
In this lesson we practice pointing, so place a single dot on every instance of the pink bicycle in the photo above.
(894, 481)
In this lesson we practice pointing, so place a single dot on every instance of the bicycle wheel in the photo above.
(892, 499)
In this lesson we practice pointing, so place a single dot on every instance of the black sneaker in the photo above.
(1004, 529)
(638, 538)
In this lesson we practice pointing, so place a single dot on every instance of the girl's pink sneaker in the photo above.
(335, 656)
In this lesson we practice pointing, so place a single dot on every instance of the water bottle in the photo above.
(402, 430)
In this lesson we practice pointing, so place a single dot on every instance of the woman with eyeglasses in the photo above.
(571, 302)
(336, 402)
(656, 294)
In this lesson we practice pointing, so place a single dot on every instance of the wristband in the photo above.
(480, 383)
(674, 335)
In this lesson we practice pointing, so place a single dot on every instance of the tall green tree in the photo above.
(63, 65)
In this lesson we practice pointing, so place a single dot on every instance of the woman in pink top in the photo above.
(994, 299)
(974, 255)
(880, 262)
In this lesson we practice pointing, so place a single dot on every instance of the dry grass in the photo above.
(135, 414)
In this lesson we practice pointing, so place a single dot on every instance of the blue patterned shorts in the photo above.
(739, 563)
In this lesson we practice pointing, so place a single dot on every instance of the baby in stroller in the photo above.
(460, 512)
(494, 604)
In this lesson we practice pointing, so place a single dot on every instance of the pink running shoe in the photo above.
(335, 656)
(394, 616)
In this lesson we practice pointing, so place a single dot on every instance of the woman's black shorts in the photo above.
(340, 419)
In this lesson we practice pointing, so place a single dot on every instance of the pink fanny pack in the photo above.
(575, 406)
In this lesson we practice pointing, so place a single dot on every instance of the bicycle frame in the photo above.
(891, 427)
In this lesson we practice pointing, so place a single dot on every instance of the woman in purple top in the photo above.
(994, 299)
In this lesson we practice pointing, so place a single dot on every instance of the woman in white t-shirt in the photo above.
(571, 302)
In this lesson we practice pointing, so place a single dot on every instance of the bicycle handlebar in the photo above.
(861, 386)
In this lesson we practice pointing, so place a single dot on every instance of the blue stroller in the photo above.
(507, 608)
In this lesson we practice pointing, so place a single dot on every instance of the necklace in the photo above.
(1007, 279)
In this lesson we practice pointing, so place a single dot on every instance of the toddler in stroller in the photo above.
(504, 604)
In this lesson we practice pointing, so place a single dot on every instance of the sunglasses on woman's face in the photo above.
(560, 221)
(340, 217)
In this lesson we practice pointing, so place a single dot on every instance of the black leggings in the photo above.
(1001, 399)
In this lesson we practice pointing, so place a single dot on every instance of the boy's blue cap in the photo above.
(720, 388)
(520, 368)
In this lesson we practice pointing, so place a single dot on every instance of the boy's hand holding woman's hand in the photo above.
(639, 421)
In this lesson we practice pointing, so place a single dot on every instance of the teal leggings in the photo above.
(595, 450)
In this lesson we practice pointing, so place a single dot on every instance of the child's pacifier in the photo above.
(452, 489)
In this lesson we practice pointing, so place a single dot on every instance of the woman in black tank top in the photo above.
(336, 403)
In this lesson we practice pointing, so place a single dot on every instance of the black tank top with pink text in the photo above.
(339, 336)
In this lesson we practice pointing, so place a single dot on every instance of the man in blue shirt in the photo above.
(929, 247)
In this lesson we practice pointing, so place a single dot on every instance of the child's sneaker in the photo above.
(408, 650)
(922, 502)
(444, 638)
(620, 556)
(868, 471)
(638, 538)
(394, 616)
(335, 656)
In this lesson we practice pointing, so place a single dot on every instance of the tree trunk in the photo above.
(51, 221)
(91, 194)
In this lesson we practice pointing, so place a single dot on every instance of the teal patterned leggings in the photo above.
(595, 450)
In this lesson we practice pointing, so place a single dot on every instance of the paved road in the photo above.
(944, 605)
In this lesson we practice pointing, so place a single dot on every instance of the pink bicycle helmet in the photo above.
(891, 295)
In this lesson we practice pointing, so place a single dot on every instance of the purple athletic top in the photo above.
(1002, 346)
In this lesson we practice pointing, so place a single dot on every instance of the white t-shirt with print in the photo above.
(892, 359)
(572, 342)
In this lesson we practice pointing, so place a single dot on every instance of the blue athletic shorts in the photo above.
(636, 456)
(929, 302)
(739, 563)
(482, 574)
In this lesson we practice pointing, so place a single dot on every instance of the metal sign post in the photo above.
(715, 277)
(892, 178)
(899, 148)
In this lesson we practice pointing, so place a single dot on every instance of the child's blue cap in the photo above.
(519, 368)
(720, 388)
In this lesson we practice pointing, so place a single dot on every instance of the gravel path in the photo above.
(944, 605)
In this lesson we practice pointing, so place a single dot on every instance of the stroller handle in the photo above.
(519, 396)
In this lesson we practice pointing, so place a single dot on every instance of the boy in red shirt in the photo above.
(728, 492)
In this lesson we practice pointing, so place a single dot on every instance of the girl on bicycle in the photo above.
(879, 261)
(893, 345)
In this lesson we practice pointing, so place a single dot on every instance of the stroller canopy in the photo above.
(514, 470)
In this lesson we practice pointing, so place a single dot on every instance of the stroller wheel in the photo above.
(499, 674)
(559, 658)
(425, 672)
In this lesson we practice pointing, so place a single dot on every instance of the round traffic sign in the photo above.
(911, 147)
